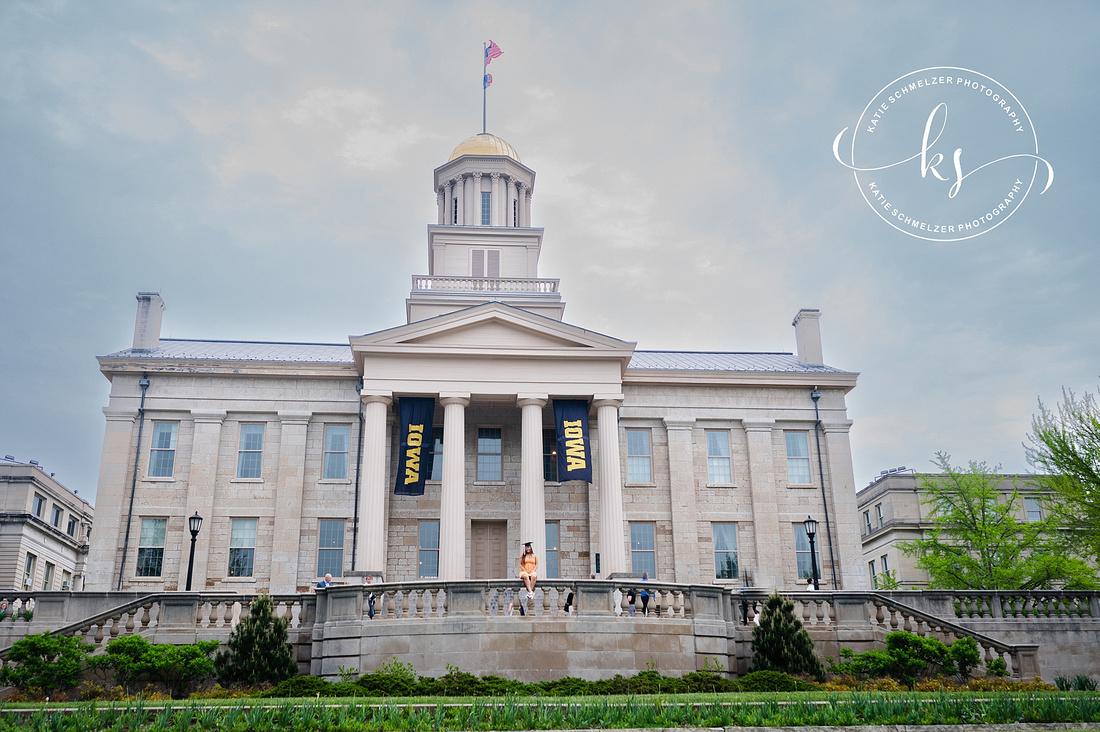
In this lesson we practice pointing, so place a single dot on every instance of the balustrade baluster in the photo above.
(617, 598)
(227, 618)
(130, 622)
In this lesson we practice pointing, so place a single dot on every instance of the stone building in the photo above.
(44, 530)
(706, 463)
(893, 511)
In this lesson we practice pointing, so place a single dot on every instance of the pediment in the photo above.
(492, 328)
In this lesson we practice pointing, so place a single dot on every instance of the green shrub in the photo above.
(299, 686)
(393, 679)
(135, 661)
(780, 643)
(964, 655)
(772, 681)
(996, 667)
(1080, 682)
(258, 650)
(909, 657)
(707, 681)
(47, 662)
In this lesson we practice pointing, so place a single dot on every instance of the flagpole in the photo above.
(484, 88)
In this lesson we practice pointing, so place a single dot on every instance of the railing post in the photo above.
(1094, 604)
(995, 605)
(466, 598)
(595, 597)
(1025, 661)
(176, 621)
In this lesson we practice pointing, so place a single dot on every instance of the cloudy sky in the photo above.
(266, 166)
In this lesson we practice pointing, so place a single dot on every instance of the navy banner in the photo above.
(415, 463)
(574, 447)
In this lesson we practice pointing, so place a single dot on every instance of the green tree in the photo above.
(780, 643)
(1065, 448)
(976, 541)
(48, 662)
(136, 661)
(258, 649)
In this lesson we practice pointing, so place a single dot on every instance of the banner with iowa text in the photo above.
(574, 447)
(415, 463)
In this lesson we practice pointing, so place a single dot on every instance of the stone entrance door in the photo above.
(489, 553)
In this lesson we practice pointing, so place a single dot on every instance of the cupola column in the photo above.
(468, 212)
(476, 196)
(441, 204)
(452, 498)
(522, 207)
(612, 539)
(532, 492)
(449, 203)
(527, 207)
(496, 212)
(460, 199)
(509, 208)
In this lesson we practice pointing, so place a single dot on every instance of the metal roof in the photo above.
(714, 361)
(196, 350)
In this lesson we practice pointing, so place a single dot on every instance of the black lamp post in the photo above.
(195, 523)
(811, 532)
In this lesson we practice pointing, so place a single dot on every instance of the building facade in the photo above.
(706, 464)
(44, 531)
(893, 511)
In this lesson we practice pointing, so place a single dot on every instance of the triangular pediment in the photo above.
(492, 328)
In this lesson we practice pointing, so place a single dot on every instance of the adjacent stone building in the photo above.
(44, 530)
(706, 464)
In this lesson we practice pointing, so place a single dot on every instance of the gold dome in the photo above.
(484, 143)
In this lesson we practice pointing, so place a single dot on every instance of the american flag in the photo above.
(492, 51)
(488, 81)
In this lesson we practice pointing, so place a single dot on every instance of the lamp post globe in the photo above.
(194, 523)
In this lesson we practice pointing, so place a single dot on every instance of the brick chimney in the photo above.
(807, 336)
(147, 327)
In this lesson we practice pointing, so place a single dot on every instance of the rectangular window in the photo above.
(47, 577)
(489, 457)
(162, 454)
(242, 547)
(486, 199)
(71, 528)
(515, 212)
(638, 457)
(643, 549)
(550, 561)
(802, 553)
(874, 576)
(718, 457)
(454, 210)
(150, 554)
(867, 520)
(250, 456)
(29, 568)
(725, 550)
(1034, 509)
(337, 437)
(429, 549)
(39, 505)
(437, 454)
(550, 455)
(55, 517)
(879, 516)
(885, 563)
(330, 547)
(798, 458)
(66, 579)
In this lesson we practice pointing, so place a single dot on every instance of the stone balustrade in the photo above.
(422, 283)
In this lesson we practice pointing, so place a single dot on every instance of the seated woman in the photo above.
(528, 568)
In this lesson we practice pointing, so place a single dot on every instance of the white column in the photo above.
(460, 200)
(770, 543)
(201, 493)
(612, 538)
(112, 496)
(523, 205)
(509, 209)
(441, 204)
(449, 213)
(476, 199)
(289, 484)
(372, 484)
(532, 496)
(452, 499)
(469, 210)
(495, 197)
(527, 207)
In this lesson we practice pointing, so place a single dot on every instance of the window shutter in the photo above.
(477, 263)
(493, 267)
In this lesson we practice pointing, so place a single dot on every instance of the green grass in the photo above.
(515, 713)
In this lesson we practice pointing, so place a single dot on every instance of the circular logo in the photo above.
(944, 154)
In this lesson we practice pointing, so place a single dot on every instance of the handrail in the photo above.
(96, 619)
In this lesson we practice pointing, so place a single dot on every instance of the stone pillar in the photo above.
(685, 529)
(449, 214)
(460, 200)
(477, 199)
(372, 484)
(527, 206)
(113, 498)
(452, 499)
(509, 209)
(843, 511)
(201, 492)
(288, 502)
(532, 497)
(441, 204)
(770, 543)
(612, 539)
(495, 219)
(468, 207)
